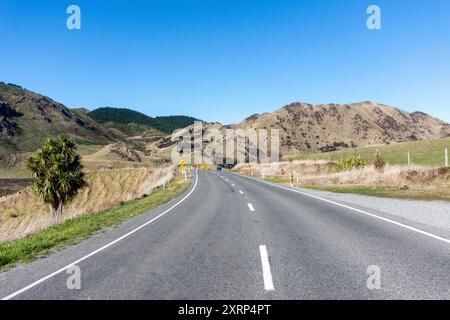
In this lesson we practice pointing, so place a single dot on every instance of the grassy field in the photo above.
(131, 129)
(19, 171)
(87, 149)
(74, 230)
(425, 152)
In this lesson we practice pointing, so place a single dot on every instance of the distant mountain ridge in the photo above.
(27, 118)
(166, 124)
(305, 127)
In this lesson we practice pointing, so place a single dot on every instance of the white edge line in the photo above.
(357, 210)
(250, 206)
(267, 275)
(12, 295)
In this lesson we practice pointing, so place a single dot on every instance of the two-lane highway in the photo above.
(234, 237)
(320, 250)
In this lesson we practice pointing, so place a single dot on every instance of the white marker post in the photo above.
(185, 175)
(446, 157)
(409, 159)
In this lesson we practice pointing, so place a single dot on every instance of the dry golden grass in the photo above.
(285, 168)
(23, 213)
(394, 176)
(117, 155)
(417, 180)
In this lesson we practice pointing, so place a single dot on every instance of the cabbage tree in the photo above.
(58, 173)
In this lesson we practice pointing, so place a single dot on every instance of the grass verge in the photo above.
(378, 191)
(277, 179)
(72, 231)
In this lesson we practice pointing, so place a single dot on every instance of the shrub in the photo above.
(378, 162)
(317, 165)
(444, 172)
(420, 176)
(351, 162)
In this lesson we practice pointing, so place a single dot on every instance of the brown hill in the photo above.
(308, 128)
(27, 118)
(116, 151)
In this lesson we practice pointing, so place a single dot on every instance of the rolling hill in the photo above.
(332, 130)
(305, 128)
(27, 118)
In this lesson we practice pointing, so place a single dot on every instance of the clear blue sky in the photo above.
(223, 60)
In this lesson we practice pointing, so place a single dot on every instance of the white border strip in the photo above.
(356, 210)
(12, 295)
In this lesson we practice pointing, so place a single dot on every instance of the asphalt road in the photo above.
(234, 237)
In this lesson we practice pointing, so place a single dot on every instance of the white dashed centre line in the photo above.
(267, 274)
(241, 192)
(250, 206)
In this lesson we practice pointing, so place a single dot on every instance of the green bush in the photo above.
(351, 162)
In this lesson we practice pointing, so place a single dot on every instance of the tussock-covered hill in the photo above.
(116, 151)
(308, 128)
(27, 118)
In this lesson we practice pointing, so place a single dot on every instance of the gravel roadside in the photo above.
(435, 214)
